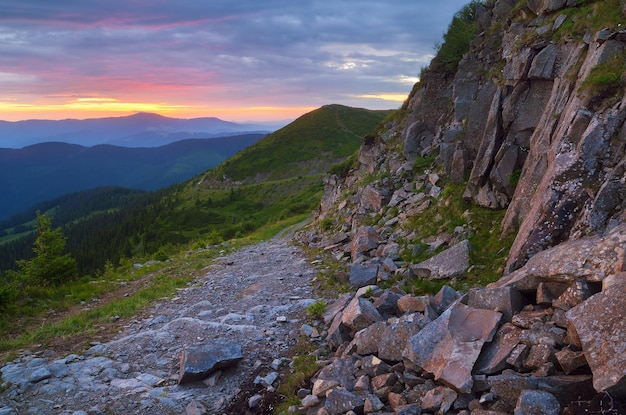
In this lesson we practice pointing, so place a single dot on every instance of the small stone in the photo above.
(537, 356)
(359, 314)
(537, 402)
(267, 380)
(517, 356)
(363, 275)
(310, 401)
(362, 384)
(277, 363)
(451, 263)
(321, 386)
(254, 401)
(410, 409)
(570, 360)
(196, 408)
(438, 400)
(40, 374)
(372, 404)
(302, 392)
(341, 400)
(396, 400)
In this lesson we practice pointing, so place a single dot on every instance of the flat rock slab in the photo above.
(451, 263)
(590, 259)
(449, 346)
(601, 325)
(566, 389)
(198, 362)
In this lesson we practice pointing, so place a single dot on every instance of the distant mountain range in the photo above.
(138, 130)
(47, 170)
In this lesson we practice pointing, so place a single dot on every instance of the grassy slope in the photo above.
(286, 170)
(309, 145)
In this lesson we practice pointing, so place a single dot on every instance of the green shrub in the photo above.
(316, 309)
(342, 169)
(456, 41)
(326, 223)
(160, 256)
(606, 80)
(515, 176)
(8, 295)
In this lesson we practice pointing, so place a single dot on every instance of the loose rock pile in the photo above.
(550, 334)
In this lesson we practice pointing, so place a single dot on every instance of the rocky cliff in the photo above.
(531, 122)
(510, 163)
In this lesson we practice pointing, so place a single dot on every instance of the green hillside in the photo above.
(286, 167)
(309, 145)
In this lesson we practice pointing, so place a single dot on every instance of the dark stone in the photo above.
(365, 240)
(397, 334)
(363, 275)
(444, 298)
(493, 357)
(368, 339)
(451, 263)
(338, 333)
(340, 400)
(509, 385)
(387, 303)
(197, 362)
(359, 314)
(506, 300)
(340, 370)
(536, 402)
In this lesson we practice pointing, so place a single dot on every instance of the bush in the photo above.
(456, 41)
(343, 168)
(8, 295)
(605, 80)
(160, 256)
(316, 309)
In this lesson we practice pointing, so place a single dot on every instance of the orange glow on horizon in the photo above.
(99, 107)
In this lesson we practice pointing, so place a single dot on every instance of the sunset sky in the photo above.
(239, 60)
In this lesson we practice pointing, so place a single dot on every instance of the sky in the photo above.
(239, 60)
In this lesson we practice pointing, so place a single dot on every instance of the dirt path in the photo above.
(255, 297)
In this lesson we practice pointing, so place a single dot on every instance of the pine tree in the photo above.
(50, 266)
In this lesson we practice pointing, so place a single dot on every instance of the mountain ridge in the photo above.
(141, 129)
(47, 170)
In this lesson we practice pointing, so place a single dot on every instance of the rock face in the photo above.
(522, 125)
